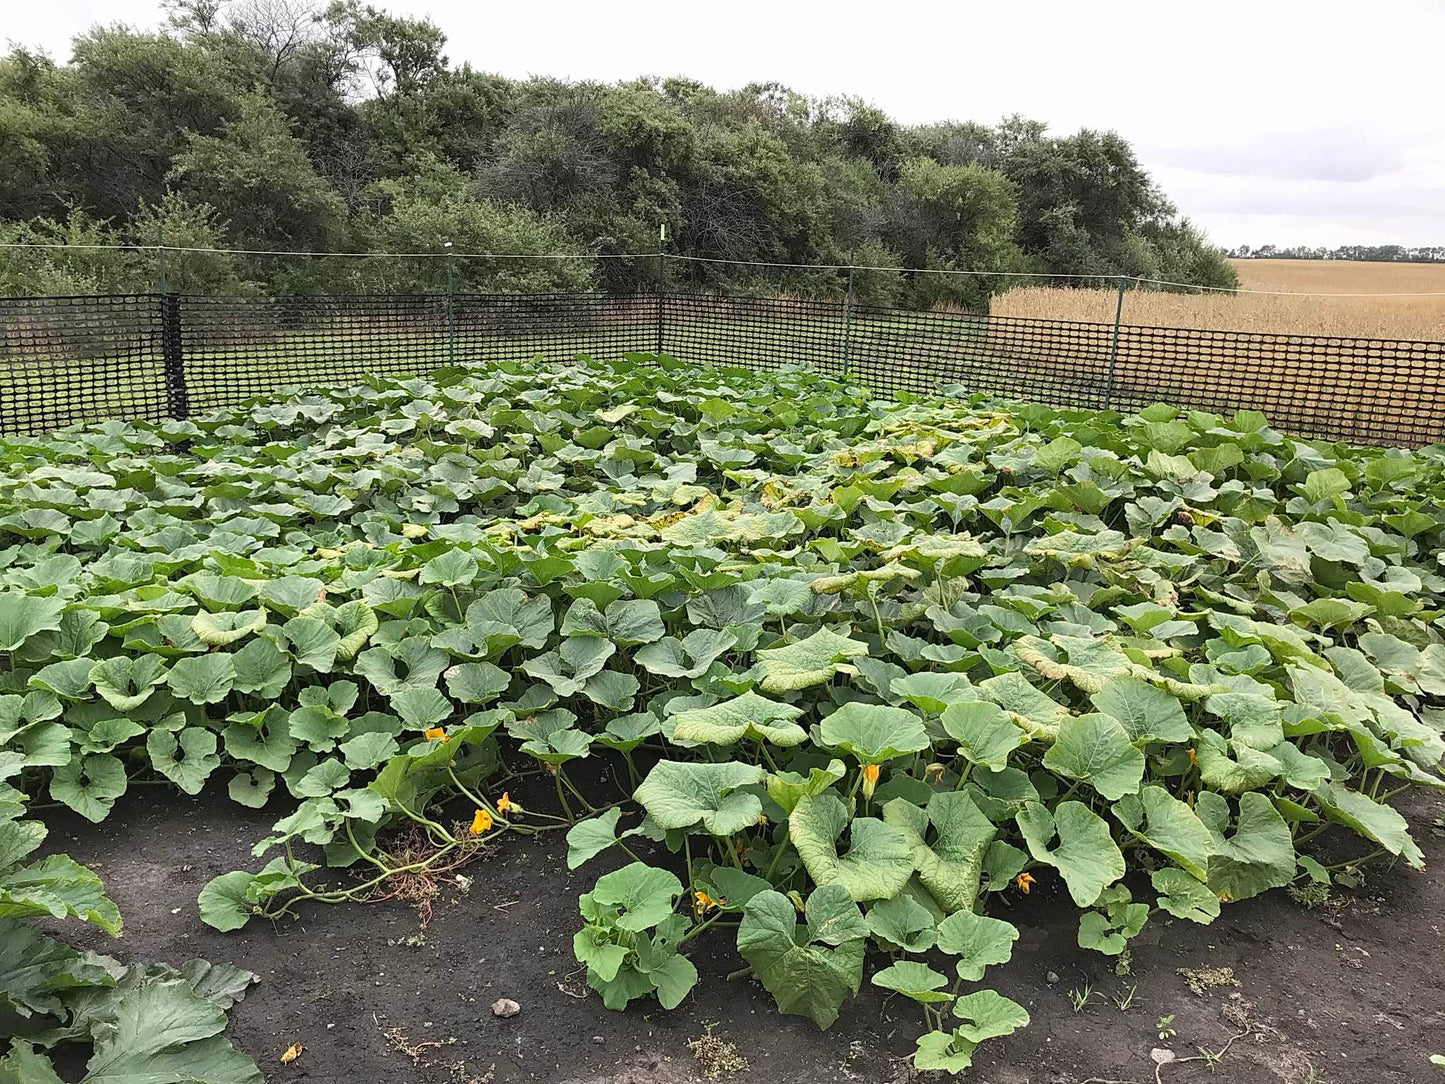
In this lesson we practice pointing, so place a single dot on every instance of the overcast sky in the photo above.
(1267, 121)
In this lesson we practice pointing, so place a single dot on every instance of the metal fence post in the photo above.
(848, 319)
(451, 322)
(161, 286)
(661, 282)
(173, 365)
(1114, 345)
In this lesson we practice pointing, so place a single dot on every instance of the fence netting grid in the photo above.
(73, 359)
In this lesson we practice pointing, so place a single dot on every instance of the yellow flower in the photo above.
(870, 779)
(703, 903)
(1024, 881)
(481, 821)
(934, 772)
(1192, 759)
(434, 733)
(505, 803)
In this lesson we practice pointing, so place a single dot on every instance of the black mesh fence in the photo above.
(64, 360)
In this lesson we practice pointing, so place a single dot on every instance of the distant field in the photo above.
(1417, 318)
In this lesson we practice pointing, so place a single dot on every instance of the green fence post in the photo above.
(451, 323)
(1114, 345)
(848, 319)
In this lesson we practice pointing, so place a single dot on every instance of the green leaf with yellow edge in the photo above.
(879, 859)
(808, 662)
(747, 716)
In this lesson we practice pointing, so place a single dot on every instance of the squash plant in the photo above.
(862, 666)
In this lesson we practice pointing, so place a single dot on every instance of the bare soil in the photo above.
(1352, 992)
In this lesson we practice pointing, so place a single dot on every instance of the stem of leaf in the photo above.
(772, 865)
(577, 793)
(733, 851)
(1359, 861)
(351, 835)
(562, 797)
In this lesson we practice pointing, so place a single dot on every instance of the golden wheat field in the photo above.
(1375, 317)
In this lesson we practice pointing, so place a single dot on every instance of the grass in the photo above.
(1403, 318)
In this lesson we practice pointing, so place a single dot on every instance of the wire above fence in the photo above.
(1105, 280)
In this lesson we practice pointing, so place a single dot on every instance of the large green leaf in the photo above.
(915, 981)
(22, 616)
(89, 785)
(808, 662)
(874, 733)
(988, 1015)
(1168, 825)
(1185, 897)
(1371, 819)
(1146, 713)
(1033, 710)
(530, 620)
(1259, 856)
(786, 789)
(680, 794)
(163, 1033)
(24, 1065)
(1086, 856)
(625, 622)
(985, 734)
(589, 838)
(977, 940)
(1095, 749)
(688, 657)
(809, 971)
(186, 758)
(226, 628)
(202, 679)
(642, 895)
(451, 568)
(902, 923)
(746, 716)
(58, 886)
(126, 681)
(262, 738)
(949, 853)
(262, 668)
(879, 859)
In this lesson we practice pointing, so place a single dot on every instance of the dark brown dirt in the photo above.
(1351, 993)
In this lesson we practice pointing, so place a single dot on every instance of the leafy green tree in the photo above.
(434, 205)
(305, 127)
(72, 270)
(1185, 255)
(953, 218)
(185, 225)
(123, 109)
(258, 171)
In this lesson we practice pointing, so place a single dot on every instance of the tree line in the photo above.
(281, 125)
(1373, 253)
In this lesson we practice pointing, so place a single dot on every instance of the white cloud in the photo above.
(1314, 122)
